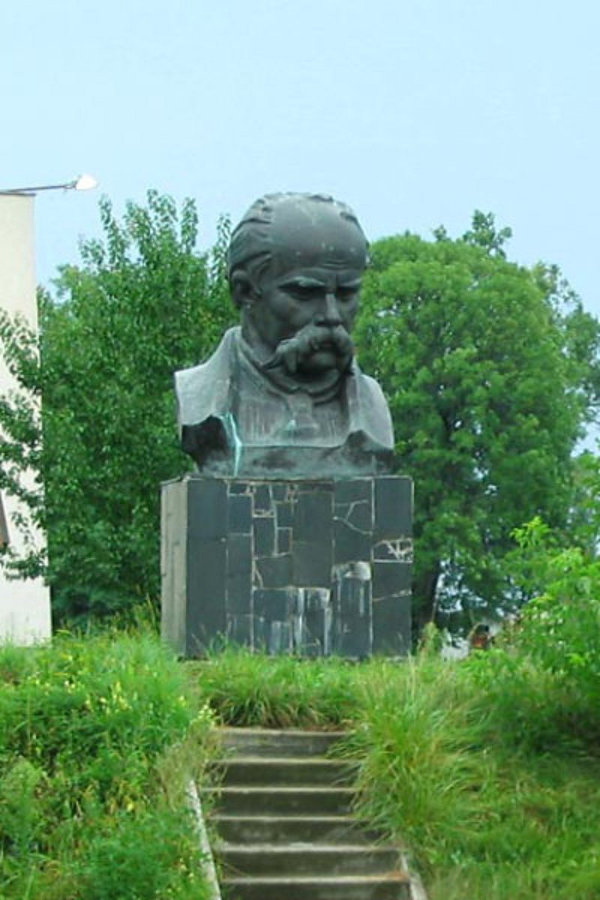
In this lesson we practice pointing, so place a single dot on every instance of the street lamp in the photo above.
(81, 183)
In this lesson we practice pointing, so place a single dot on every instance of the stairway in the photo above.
(285, 824)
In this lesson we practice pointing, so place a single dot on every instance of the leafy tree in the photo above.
(142, 304)
(491, 371)
(583, 528)
(21, 444)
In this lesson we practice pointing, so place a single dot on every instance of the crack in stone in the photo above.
(351, 526)
(400, 550)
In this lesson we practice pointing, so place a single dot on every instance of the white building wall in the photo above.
(24, 605)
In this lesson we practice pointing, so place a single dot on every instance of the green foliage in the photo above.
(147, 847)
(479, 766)
(20, 808)
(21, 445)
(560, 627)
(583, 527)
(249, 689)
(97, 738)
(142, 304)
(491, 372)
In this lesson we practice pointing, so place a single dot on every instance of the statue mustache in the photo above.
(292, 351)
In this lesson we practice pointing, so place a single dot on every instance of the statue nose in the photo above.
(330, 314)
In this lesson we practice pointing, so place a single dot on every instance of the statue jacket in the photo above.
(236, 420)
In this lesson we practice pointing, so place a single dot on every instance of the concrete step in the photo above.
(273, 742)
(308, 859)
(395, 886)
(286, 832)
(270, 829)
(292, 801)
(287, 771)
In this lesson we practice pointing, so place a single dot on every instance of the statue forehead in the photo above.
(306, 232)
(299, 231)
(306, 213)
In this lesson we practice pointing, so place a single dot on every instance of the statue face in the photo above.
(306, 300)
(320, 297)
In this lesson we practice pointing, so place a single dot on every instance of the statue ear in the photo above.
(243, 291)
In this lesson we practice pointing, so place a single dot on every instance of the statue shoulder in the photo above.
(374, 410)
(372, 387)
(202, 390)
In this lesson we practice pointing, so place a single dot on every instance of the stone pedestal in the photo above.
(314, 568)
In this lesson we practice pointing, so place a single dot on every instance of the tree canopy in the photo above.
(142, 304)
(491, 372)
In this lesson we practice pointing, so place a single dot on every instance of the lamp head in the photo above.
(85, 183)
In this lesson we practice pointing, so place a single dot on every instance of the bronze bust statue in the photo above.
(283, 396)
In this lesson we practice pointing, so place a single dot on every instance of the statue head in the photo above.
(295, 268)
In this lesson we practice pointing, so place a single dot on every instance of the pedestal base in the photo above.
(314, 568)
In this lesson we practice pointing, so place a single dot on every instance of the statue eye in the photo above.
(304, 291)
(347, 293)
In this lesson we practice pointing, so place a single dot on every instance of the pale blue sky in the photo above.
(416, 113)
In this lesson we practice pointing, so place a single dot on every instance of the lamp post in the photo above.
(81, 183)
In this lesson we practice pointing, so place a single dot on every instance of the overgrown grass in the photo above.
(486, 768)
(491, 807)
(97, 737)
(276, 692)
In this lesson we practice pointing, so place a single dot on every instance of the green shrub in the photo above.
(21, 817)
(560, 627)
(155, 848)
(88, 807)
